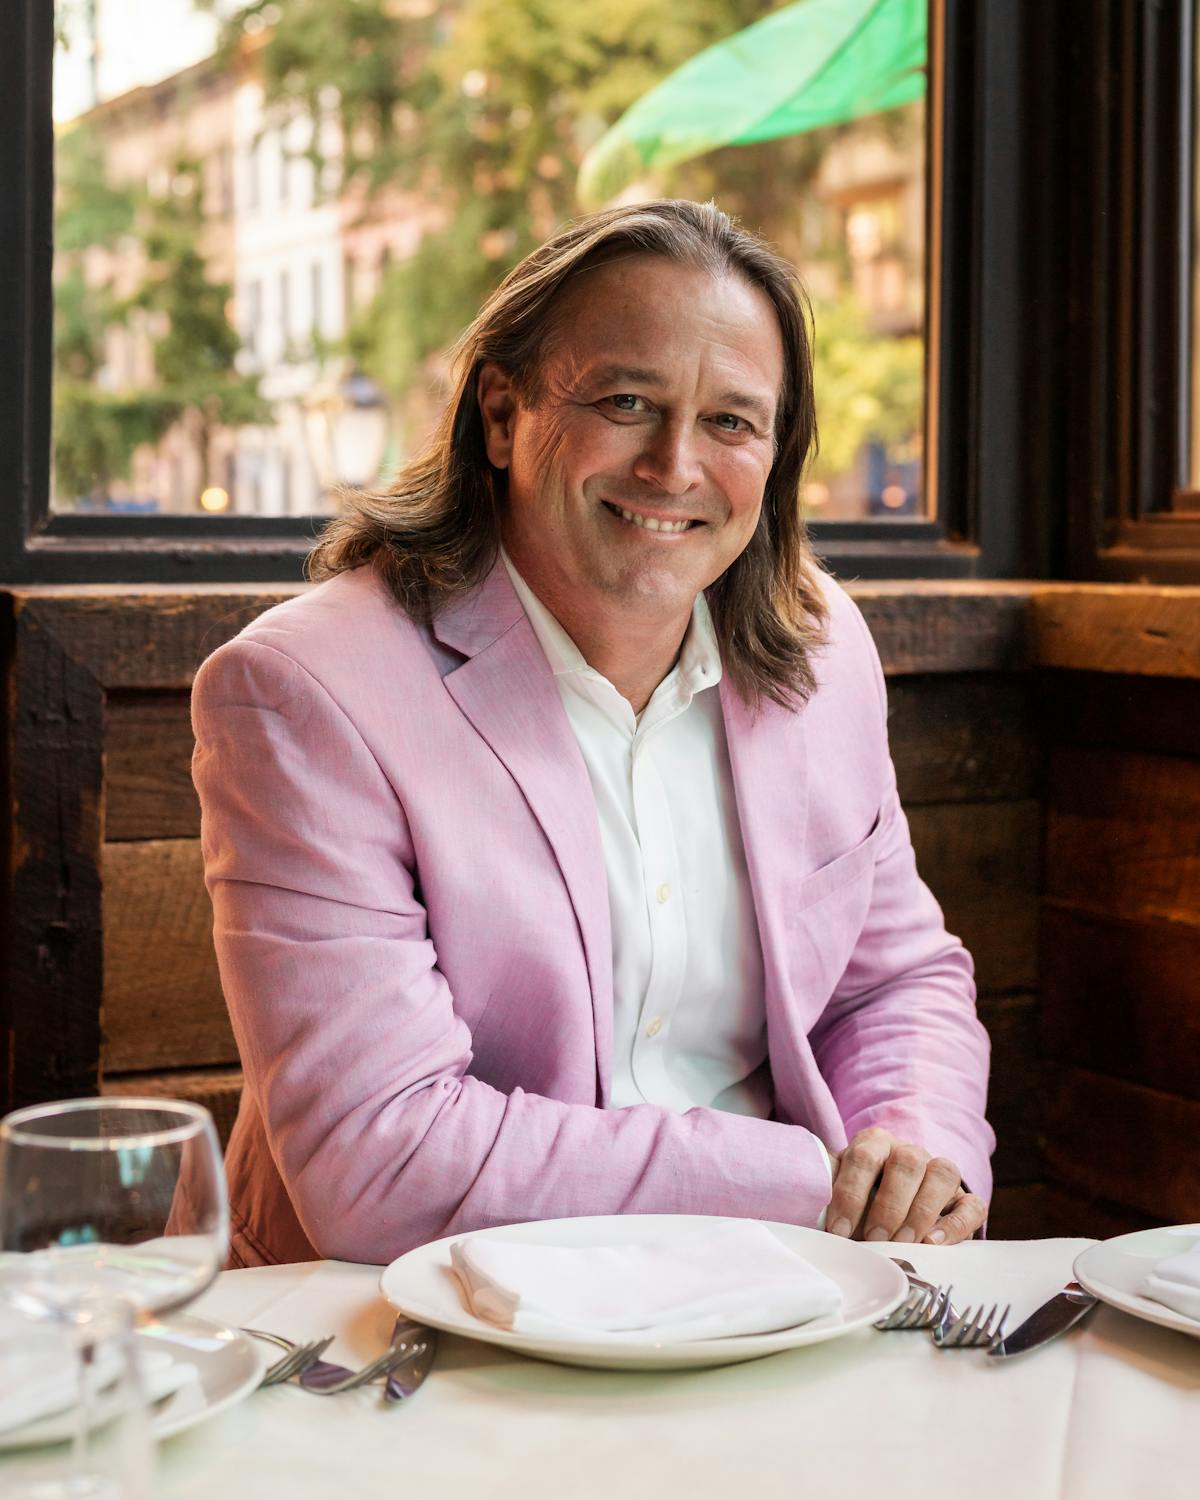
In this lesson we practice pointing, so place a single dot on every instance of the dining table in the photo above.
(1109, 1411)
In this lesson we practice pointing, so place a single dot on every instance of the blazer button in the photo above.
(654, 1027)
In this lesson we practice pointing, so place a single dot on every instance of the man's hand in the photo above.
(886, 1189)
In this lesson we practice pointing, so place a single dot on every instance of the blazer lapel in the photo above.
(769, 760)
(506, 690)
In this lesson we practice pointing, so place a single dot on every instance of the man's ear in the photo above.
(497, 399)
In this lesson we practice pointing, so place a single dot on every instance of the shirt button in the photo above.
(654, 1027)
(663, 893)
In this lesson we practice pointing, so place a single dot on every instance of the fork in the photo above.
(972, 1330)
(388, 1361)
(298, 1358)
(925, 1307)
(914, 1280)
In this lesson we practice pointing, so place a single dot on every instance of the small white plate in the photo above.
(229, 1365)
(422, 1285)
(1114, 1269)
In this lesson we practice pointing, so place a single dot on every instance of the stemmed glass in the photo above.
(108, 1204)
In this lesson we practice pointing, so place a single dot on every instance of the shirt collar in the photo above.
(699, 664)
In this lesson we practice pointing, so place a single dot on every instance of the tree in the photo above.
(97, 429)
(195, 355)
(486, 108)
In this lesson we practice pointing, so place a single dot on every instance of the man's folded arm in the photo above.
(350, 1040)
(900, 1044)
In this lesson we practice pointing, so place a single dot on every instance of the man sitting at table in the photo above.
(553, 840)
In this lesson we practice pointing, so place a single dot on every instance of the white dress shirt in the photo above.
(689, 1020)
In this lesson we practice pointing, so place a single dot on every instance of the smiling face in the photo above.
(636, 473)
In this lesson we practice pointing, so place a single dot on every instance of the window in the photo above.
(992, 288)
(1132, 451)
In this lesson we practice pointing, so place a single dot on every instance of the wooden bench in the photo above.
(1047, 744)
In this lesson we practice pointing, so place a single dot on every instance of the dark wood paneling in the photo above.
(1117, 628)
(1015, 1087)
(1158, 715)
(1123, 997)
(1123, 833)
(963, 738)
(51, 952)
(145, 637)
(954, 739)
(981, 860)
(148, 758)
(1034, 1211)
(947, 627)
(163, 1005)
(219, 1091)
(1124, 1144)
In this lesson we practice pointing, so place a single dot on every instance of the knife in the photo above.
(1052, 1318)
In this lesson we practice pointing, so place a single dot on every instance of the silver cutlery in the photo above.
(411, 1342)
(353, 1379)
(972, 1329)
(421, 1343)
(1063, 1311)
(298, 1357)
(924, 1307)
(914, 1280)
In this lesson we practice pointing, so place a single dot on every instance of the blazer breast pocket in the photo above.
(826, 916)
(838, 873)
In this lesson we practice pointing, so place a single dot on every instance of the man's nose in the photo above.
(669, 460)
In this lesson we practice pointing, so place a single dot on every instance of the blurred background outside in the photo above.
(273, 219)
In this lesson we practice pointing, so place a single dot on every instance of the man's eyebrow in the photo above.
(604, 375)
(617, 374)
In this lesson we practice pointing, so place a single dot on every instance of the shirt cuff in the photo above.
(828, 1161)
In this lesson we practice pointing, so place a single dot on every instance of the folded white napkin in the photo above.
(732, 1278)
(1175, 1282)
(39, 1375)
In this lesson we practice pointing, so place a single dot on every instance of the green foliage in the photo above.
(97, 430)
(96, 433)
(195, 355)
(91, 211)
(867, 388)
(486, 108)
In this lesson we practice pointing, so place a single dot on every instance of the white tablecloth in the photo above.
(1110, 1412)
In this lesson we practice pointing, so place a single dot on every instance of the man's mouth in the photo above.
(649, 523)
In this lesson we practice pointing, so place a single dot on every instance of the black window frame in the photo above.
(1020, 470)
(1129, 197)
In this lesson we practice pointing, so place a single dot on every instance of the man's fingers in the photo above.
(903, 1175)
(959, 1222)
(858, 1170)
(937, 1193)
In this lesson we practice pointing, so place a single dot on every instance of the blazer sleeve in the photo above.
(349, 1038)
(900, 1044)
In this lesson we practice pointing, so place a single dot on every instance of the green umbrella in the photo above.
(817, 62)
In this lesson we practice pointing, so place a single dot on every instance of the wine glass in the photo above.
(108, 1203)
(40, 1410)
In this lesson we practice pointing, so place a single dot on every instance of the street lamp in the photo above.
(346, 428)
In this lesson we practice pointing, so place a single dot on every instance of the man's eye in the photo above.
(625, 402)
(728, 422)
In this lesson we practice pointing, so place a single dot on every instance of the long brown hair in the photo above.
(435, 534)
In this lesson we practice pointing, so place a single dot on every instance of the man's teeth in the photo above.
(650, 523)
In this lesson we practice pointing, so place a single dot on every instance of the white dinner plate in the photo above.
(1114, 1269)
(422, 1285)
(228, 1364)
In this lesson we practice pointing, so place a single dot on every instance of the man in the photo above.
(553, 841)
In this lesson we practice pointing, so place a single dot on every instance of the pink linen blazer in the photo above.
(411, 920)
